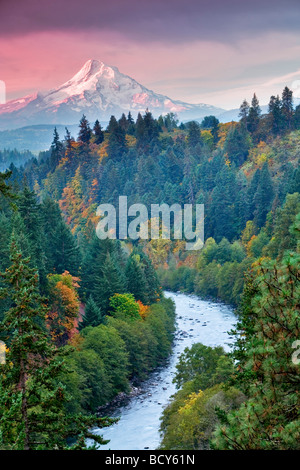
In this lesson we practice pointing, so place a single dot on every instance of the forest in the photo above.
(83, 319)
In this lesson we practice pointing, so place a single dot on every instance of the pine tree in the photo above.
(123, 122)
(244, 112)
(85, 132)
(237, 144)
(98, 133)
(31, 215)
(287, 107)
(117, 139)
(57, 150)
(32, 399)
(108, 282)
(130, 124)
(194, 134)
(263, 197)
(275, 111)
(92, 314)
(69, 141)
(5, 189)
(254, 115)
(61, 251)
(153, 289)
(136, 281)
(139, 130)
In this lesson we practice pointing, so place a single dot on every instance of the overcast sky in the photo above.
(212, 51)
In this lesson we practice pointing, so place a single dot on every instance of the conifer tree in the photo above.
(61, 251)
(116, 141)
(254, 115)
(237, 144)
(5, 189)
(92, 314)
(31, 215)
(69, 141)
(98, 133)
(110, 280)
(194, 134)
(263, 196)
(123, 122)
(244, 112)
(136, 280)
(85, 132)
(57, 150)
(275, 111)
(287, 108)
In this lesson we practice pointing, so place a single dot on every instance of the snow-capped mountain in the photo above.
(98, 91)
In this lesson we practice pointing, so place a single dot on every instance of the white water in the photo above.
(198, 321)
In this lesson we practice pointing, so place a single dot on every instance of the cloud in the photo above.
(212, 51)
(168, 20)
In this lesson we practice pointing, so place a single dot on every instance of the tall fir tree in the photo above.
(85, 132)
(57, 150)
(254, 115)
(98, 133)
(92, 314)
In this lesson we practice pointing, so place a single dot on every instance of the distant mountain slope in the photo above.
(98, 91)
(33, 138)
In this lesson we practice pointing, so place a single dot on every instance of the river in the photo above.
(198, 321)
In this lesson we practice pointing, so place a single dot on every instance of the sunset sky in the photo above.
(212, 51)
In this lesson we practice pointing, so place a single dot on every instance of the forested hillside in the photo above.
(103, 298)
(82, 321)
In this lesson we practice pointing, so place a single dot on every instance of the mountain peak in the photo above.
(98, 91)
(90, 67)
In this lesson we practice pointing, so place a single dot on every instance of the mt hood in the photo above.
(98, 91)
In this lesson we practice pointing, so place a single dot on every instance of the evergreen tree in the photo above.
(139, 129)
(57, 150)
(254, 115)
(69, 141)
(5, 189)
(92, 314)
(263, 197)
(237, 144)
(136, 281)
(98, 133)
(117, 139)
(110, 280)
(130, 124)
(252, 188)
(194, 134)
(287, 108)
(123, 122)
(244, 112)
(153, 289)
(85, 132)
(31, 215)
(61, 251)
(275, 111)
